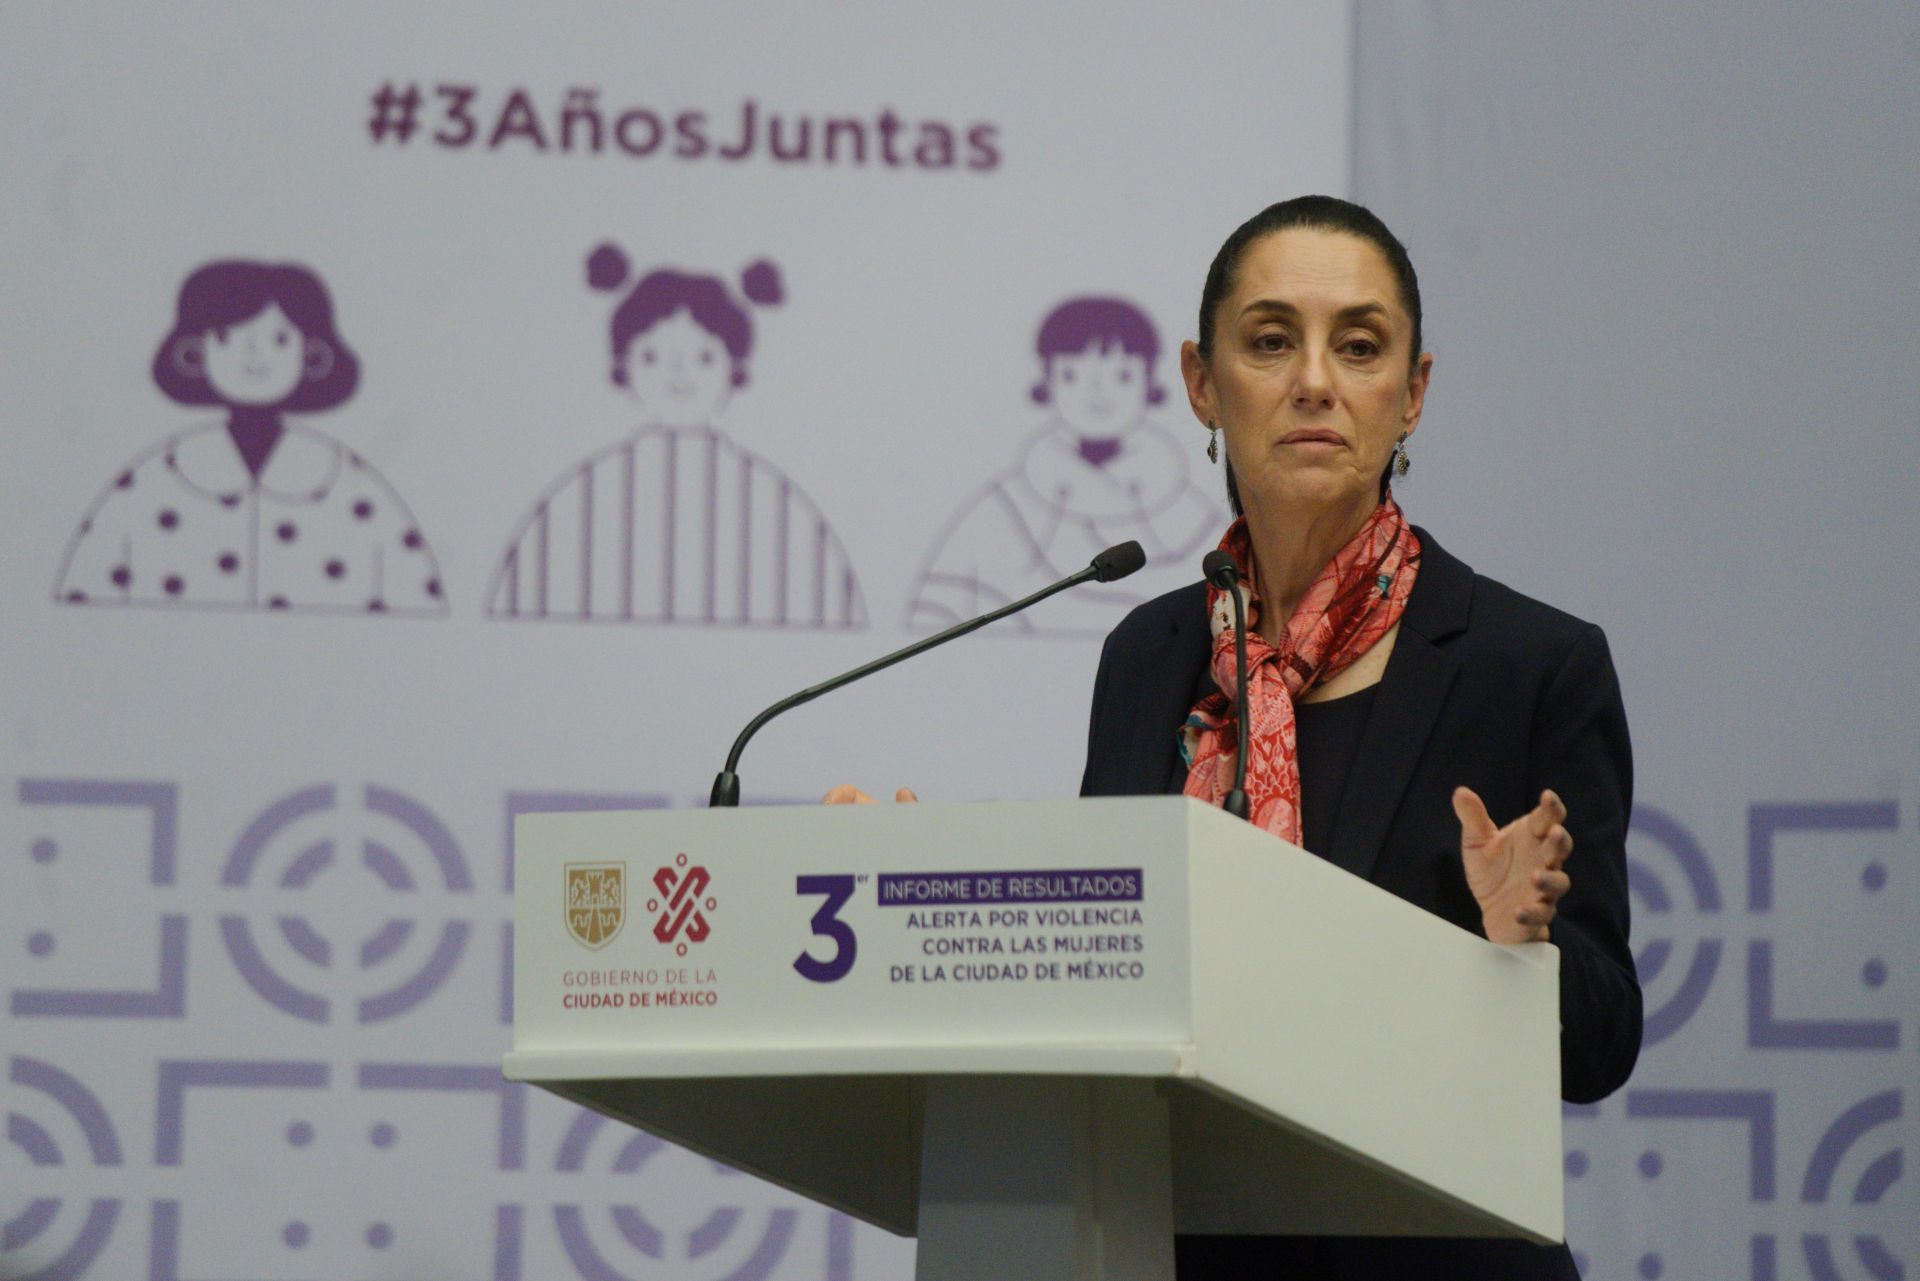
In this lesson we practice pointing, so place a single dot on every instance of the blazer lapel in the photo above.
(1163, 709)
(1419, 674)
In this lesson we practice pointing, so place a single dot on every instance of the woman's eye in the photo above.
(1125, 376)
(648, 356)
(1066, 374)
(1271, 342)
(706, 358)
(280, 339)
(1363, 348)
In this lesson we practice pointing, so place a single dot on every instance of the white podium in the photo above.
(1040, 1036)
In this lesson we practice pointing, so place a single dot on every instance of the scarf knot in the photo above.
(1353, 602)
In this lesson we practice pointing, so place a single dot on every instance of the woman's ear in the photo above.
(189, 356)
(1417, 383)
(1193, 372)
(319, 359)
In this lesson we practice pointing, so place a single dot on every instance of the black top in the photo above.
(1487, 688)
(1326, 735)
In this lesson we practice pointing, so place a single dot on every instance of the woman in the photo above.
(1099, 471)
(1399, 700)
(255, 511)
(677, 523)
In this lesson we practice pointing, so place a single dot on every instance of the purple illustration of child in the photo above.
(256, 512)
(1097, 472)
(677, 523)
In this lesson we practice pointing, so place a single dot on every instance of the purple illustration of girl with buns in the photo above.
(1098, 471)
(677, 523)
(255, 511)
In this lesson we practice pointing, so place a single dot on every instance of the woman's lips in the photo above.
(1313, 438)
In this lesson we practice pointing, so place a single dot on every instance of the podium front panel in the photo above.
(795, 927)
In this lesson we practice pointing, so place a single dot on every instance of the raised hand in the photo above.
(848, 794)
(1514, 871)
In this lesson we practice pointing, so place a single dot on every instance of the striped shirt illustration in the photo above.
(678, 526)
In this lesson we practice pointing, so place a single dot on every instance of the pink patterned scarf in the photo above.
(1355, 600)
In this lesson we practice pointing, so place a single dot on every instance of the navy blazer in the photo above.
(1484, 687)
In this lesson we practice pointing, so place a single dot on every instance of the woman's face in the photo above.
(1311, 377)
(1101, 391)
(681, 374)
(258, 361)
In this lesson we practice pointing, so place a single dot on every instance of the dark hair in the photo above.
(661, 293)
(1319, 213)
(1080, 323)
(228, 292)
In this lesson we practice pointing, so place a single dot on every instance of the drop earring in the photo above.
(1213, 443)
(1401, 463)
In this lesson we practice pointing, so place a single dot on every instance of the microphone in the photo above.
(1220, 570)
(1114, 563)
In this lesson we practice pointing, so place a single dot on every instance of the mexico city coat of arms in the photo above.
(596, 902)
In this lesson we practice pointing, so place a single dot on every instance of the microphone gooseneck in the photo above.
(1114, 563)
(1222, 572)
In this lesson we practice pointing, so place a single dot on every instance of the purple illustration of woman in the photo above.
(1099, 471)
(677, 523)
(254, 512)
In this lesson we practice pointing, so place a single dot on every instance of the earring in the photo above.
(189, 356)
(318, 360)
(1401, 463)
(1213, 443)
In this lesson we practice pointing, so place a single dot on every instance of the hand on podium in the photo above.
(848, 794)
(1514, 871)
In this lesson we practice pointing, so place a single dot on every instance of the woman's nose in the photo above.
(1313, 378)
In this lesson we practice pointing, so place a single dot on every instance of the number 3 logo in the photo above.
(828, 925)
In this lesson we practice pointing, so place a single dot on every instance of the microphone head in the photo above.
(1118, 561)
(1220, 569)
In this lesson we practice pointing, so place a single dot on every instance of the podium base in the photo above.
(1045, 1178)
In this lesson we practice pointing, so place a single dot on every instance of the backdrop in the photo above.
(1670, 262)
(275, 684)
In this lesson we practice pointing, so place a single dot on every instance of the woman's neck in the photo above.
(1289, 551)
(255, 430)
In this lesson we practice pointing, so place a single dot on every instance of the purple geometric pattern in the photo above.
(179, 1076)
(631, 1151)
(166, 997)
(1829, 1190)
(1653, 888)
(1765, 1028)
(313, 858)
(80, 1114)
(510, 1096)
(1870, 1187)
(1751, 1108)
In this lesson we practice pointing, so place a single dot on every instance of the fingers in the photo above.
(1560, 845)
(1552, 885)
(848, 794)
(1538, 914)
(1476, 825)
(1549, 811)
